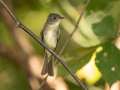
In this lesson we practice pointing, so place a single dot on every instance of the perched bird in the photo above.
(50, 36)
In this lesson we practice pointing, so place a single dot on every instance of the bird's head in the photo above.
(54, 18)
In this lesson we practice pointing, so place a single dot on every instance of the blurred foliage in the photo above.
(98, 26)
(106, 28)
(108, 62)
(5, 37)
(11, 76)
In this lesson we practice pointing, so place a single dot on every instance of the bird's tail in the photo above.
(45, 65)
(48, 65)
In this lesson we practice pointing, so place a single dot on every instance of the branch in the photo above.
(28, 31)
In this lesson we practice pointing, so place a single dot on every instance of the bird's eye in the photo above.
(54, 18)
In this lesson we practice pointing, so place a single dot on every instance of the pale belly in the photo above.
(50, 39)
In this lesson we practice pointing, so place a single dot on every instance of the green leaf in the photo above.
(99, 4)
(108, 61)
(105, 28)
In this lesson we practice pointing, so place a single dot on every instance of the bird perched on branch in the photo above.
(50, 36)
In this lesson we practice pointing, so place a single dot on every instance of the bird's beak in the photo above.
(61, 17)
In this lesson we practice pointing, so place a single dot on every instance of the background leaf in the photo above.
(106, 28)
(108, 62)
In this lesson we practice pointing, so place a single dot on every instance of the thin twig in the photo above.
(28, 31)
(75, 29)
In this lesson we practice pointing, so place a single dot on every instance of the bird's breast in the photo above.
(50, 38)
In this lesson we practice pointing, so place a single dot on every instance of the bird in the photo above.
(50, 36)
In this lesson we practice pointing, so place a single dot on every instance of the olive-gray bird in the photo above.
(50, 36)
